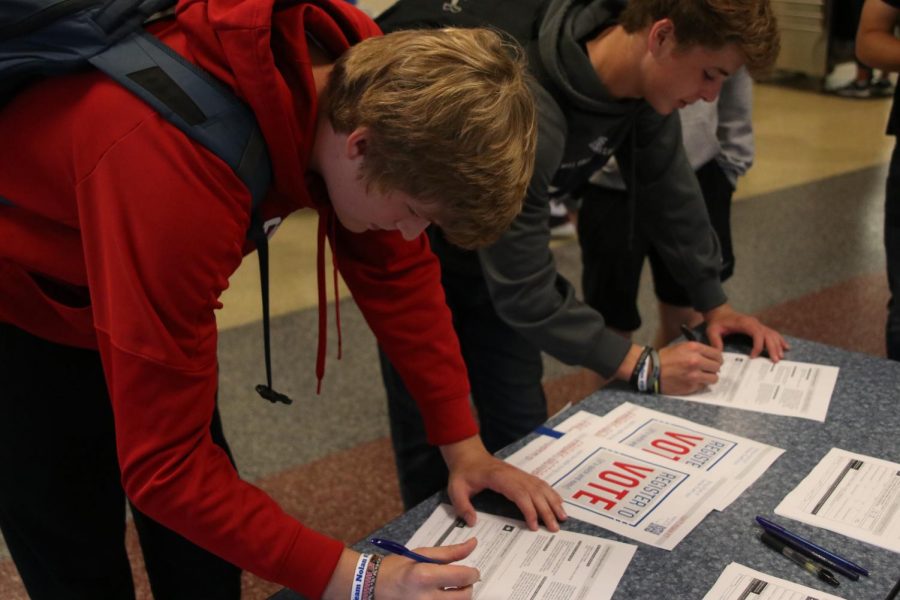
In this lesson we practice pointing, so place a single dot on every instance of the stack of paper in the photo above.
(738, 582)
(515, 562)
(643, 474)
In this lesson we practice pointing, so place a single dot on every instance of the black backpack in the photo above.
(41, 38)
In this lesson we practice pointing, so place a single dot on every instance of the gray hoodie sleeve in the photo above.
(673, 213)
(527, 291)
(735, 130)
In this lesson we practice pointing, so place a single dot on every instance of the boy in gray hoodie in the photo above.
(718, 141)
(609, 79)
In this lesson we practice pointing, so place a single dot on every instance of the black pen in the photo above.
(689, 333)
(894, 591)
(831, 566)
(800, 541)
(785, 550)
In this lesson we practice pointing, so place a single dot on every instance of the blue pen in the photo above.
(840, 560)
(397, 548)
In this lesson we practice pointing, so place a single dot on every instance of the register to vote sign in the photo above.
(621, 488)
(682, 444)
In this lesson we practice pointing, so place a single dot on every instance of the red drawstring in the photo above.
(337, 297)
(327, 221)
(323, 316)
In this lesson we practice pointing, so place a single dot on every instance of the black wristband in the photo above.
(637, 367)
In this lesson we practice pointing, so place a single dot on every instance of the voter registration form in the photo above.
(788, 388)
(516, 562)
(738, 582)
(851, 494)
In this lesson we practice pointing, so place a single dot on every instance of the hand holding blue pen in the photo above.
(398, 548)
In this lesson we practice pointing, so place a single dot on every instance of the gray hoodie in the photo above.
(580, 127)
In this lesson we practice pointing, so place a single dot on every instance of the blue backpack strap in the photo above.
(209, 113)
(194, 102)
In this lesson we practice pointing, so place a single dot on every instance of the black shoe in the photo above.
(854, 89)
(882, 87)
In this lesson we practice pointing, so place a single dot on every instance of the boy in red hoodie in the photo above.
(118, 233)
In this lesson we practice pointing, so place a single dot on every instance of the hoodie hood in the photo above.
(566, 26)
(596, 123)
(259, 48)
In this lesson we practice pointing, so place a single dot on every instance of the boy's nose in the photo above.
(411, 228)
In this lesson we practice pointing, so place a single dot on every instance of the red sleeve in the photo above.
(157, 259)
(397, 285)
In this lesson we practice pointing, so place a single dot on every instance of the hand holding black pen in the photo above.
(688, 367)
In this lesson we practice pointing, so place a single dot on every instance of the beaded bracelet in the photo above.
(371, 575)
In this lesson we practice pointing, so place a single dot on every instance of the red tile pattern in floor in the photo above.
(849, 315)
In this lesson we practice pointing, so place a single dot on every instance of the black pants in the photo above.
(611, 270)
(505, 372)
(62, 507)
(892, 252)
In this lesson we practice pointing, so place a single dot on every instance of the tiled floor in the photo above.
(809, 261)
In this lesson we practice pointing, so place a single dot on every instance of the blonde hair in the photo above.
(749, 24)
(452, 119)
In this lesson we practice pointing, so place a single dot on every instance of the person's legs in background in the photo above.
(505, 373)
(420, 467)
(865, 84)
(612, 258)
(674, 302)
(892, 253)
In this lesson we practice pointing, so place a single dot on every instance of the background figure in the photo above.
(611, 77)
(718, 140)
(845, 18)
(877, 45)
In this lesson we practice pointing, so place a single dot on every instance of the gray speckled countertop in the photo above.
(863, 417)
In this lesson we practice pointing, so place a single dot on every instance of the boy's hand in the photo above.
(723, 320)
(473, 469)
(402, 578)
(688, 367)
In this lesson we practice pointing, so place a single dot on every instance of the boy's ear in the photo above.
(356, 142)
(662, 35)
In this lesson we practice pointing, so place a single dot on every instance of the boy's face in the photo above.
(360, 207)
(678, 76)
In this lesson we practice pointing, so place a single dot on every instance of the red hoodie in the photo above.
(124, 233)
